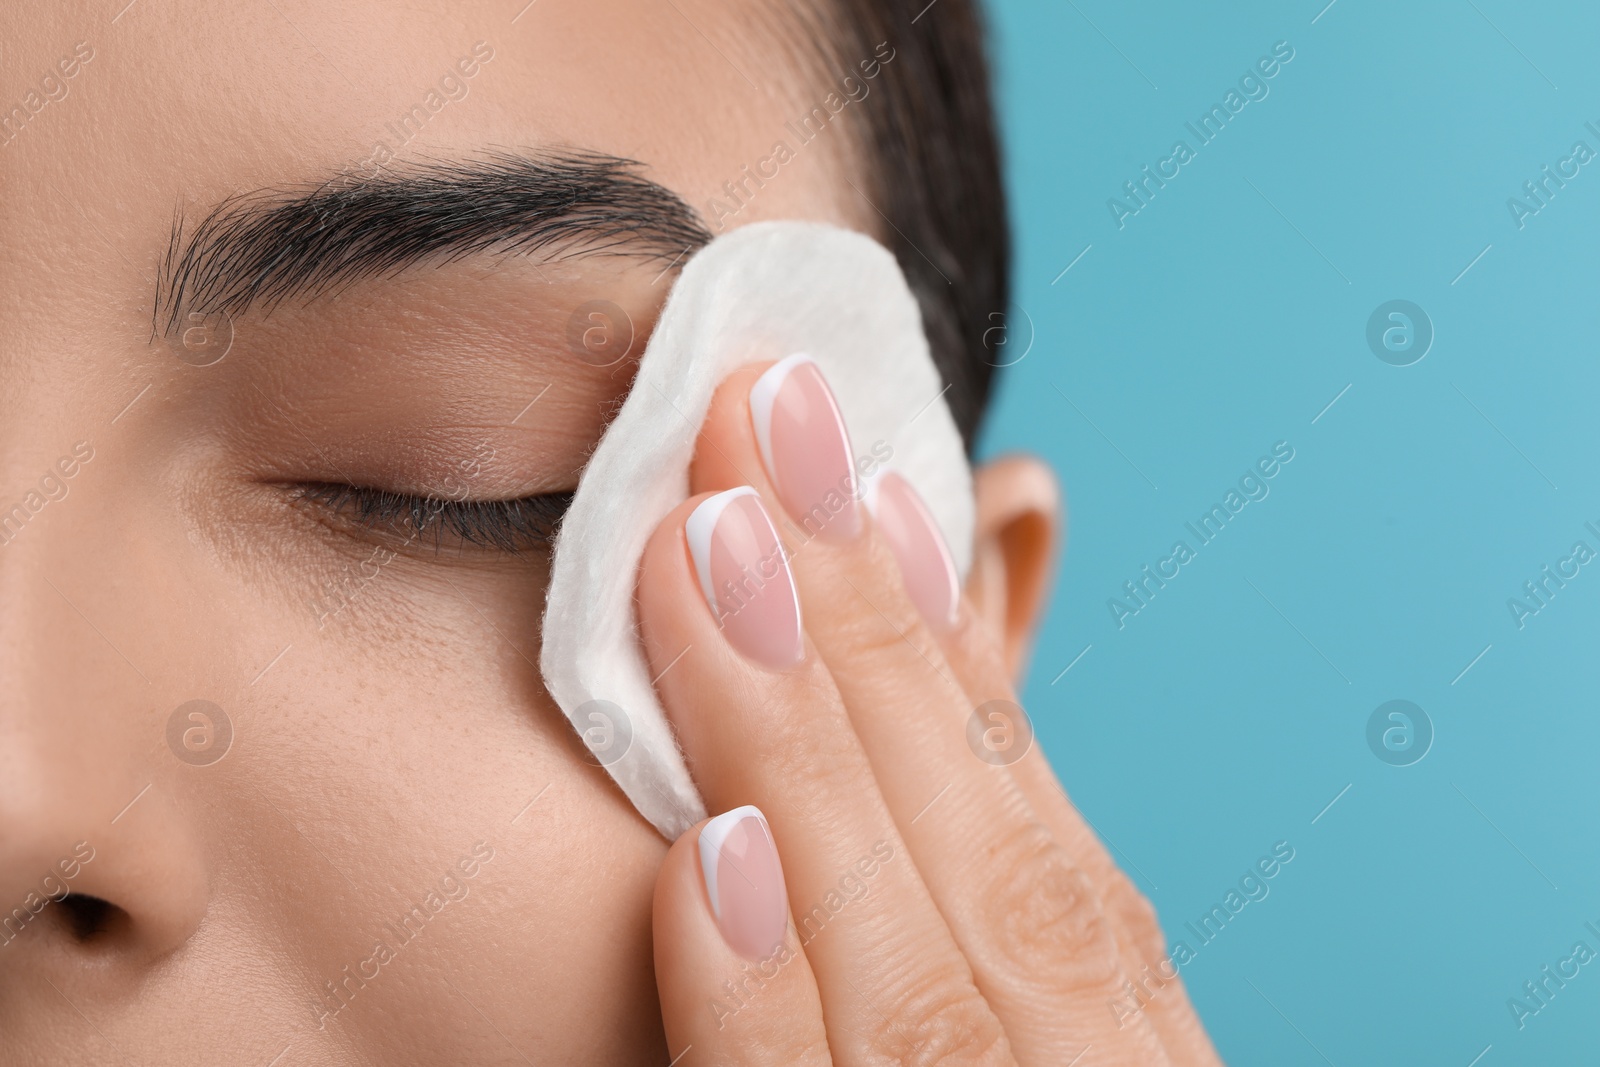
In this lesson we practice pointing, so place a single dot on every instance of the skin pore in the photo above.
(395, 773)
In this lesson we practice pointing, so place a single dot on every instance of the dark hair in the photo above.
(929, 131)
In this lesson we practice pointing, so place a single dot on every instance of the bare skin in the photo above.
(391, 746)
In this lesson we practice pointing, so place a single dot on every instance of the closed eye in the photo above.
(524, 524)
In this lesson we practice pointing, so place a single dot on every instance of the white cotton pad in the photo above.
(760, 292)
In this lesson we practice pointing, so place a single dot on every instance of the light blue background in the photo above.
(1207, 329)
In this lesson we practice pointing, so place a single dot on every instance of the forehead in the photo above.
(192, 103)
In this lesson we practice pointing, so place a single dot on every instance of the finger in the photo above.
(735, 986)
(1152, 990)
(761, 722)
(1022, 911)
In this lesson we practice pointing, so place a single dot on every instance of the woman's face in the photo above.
(402, 854)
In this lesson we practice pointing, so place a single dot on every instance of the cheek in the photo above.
(583, 946)
(425, 753)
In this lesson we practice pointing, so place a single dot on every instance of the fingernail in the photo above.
(925, 563)
(745, 577)
(744, 882)
(806, 447)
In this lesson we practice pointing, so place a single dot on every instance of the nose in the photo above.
(86, 868)
(100, 865)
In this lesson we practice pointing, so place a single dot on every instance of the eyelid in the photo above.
(519, 525)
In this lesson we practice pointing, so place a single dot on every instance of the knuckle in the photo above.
(797, 738)
(882, 633)
(1136, 915)
(796, 727)
(876, 617)
(779, 1046)
(943, 1021)
(1045, 916)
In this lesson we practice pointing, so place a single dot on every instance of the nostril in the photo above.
(90, 918)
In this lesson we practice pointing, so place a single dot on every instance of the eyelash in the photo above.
(520, 525)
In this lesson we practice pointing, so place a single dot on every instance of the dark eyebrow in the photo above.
(262, 248)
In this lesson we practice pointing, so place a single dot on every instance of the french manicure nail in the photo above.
(806, 448)
(745, 577)
(744, 882)
(918, 546)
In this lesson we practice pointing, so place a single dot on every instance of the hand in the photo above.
(875, 892)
